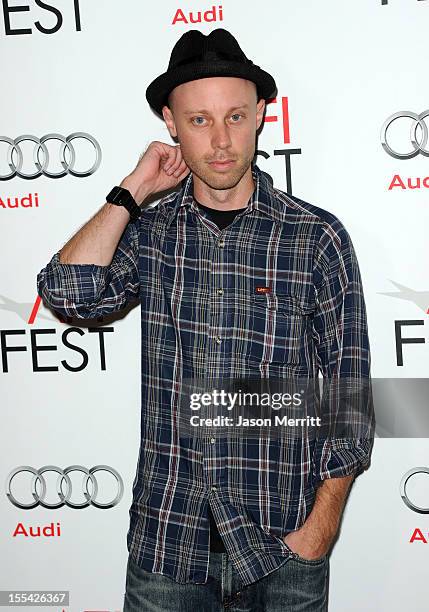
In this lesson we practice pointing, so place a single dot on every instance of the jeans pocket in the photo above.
(304, 561)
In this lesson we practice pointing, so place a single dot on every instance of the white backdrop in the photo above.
(342, 69)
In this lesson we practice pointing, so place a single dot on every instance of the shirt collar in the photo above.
(262, 199)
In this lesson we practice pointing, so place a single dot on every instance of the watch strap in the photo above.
(122, 197)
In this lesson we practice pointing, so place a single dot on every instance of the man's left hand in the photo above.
(314, 538)
(309, 543)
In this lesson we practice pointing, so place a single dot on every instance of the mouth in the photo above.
(222, 165)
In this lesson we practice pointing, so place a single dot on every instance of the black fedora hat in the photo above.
(199, 56)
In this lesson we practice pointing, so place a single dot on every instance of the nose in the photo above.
(220, 136)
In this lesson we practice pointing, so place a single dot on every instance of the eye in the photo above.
(236, 115)
(199, 117)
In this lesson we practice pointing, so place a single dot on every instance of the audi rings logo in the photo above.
(418, 143)
(41, 157)
(403, 488)
(39, 482)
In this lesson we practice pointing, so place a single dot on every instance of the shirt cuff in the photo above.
(337, 457)
(73, 290)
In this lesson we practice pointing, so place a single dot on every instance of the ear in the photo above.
(169, 120)
(260, 108)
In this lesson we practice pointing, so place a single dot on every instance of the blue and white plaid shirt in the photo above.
(202, 317)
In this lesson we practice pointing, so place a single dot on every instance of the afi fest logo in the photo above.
(421, 300)
(47, 18)
(277, 112)
(43, 347)
(404, 135)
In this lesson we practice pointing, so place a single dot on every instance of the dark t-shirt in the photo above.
(222, 218)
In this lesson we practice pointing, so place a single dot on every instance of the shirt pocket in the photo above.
(272, 328)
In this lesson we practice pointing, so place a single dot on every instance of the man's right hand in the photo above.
(160, 167)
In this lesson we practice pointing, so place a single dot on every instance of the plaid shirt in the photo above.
(202, 317)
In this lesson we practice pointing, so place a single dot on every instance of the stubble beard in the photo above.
(220, 180)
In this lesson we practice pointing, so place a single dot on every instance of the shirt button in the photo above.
(212, 440)
(220, 291)
(221, 243)
(218, 339)
(213, 488)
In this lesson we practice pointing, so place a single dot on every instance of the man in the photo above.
(235, 279)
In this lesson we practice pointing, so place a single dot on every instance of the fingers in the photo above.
(174, 162)
(182, 171)
(171, 165)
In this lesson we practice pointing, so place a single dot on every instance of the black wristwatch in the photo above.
(122, 197)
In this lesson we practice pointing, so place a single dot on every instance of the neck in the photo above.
(225, 199)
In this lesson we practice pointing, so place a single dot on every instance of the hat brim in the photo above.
(158, 91)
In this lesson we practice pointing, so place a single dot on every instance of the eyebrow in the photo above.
(206, 112)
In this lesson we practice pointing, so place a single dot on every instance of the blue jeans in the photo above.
(297, 586)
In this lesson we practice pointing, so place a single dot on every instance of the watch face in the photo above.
(122, 197)
(118, 195)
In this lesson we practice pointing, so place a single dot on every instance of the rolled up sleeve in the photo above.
(88, 291)
(345, 440)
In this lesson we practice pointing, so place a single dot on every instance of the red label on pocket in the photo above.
(263, 289)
